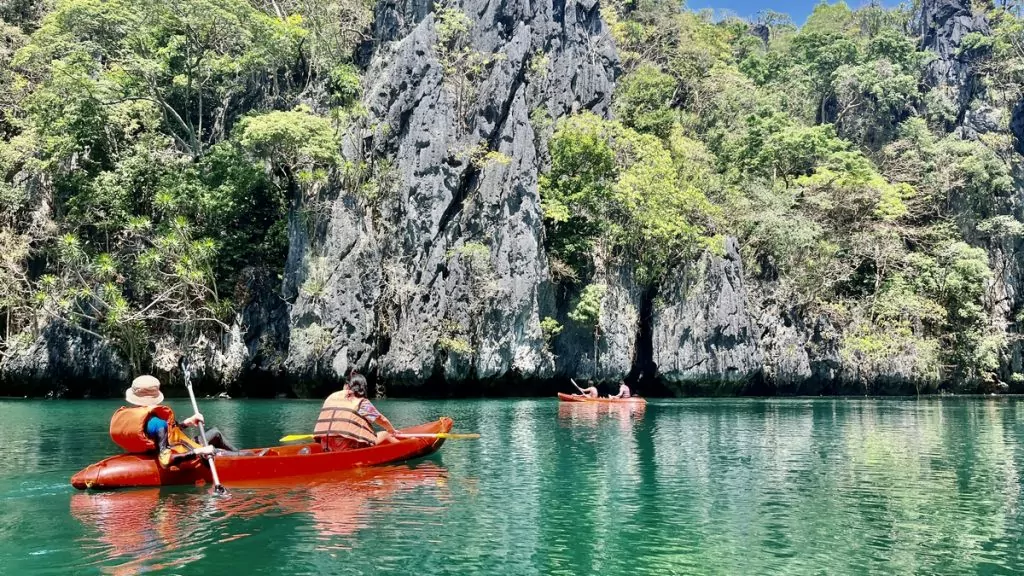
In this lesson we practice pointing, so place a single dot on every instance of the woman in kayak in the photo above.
(346, 419)
(149, 426)
(623, 390)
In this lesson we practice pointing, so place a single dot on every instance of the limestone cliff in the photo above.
(444, 275)
(427, 271)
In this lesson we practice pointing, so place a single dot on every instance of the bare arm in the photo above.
(193, 420)
(384, 423)
(371, 413)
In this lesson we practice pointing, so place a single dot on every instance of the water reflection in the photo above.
(589, 413)
(131, 531)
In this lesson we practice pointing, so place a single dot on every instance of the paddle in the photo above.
(577, 386)
(444, 435)
(217, 486)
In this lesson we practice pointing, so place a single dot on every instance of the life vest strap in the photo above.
(359, 420)
(340, 417)
(356, 421)
(341, 434)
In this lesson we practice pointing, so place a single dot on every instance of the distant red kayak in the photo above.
(581, 398)
(280, 462)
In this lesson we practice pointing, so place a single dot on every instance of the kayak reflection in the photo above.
(588, 413)
(137, 528)
(152, 529)
(340, 504)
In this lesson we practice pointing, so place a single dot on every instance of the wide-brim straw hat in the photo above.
(145, 391)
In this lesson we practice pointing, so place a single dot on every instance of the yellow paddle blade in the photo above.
(442, 435)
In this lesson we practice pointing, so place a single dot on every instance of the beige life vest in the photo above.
(339, 416)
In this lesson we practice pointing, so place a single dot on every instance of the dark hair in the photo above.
(357, 384)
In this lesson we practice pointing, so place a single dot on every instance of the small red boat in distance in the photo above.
(294, 461)
(581, 398)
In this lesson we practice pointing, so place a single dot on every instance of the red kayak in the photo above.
(582, 398)
(294, 461)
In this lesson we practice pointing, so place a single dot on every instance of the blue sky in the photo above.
(798, 10)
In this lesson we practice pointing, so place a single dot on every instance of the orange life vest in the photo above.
(128, 426)
(339, 416)
(128, 430)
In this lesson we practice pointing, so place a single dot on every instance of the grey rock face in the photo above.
(608, 351)
(447, 277)
(63, 358)
(981, 120)
(264, 321)
(337, 283)
(785, 343)
(1003, 298)
(395, 19)
(704, 331)
(943, 26)
(1017, 126)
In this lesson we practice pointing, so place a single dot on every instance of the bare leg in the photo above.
(384, 437)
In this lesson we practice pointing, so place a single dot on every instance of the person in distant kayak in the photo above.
(148, 426)
(623, 390)
(589, 392)
(346, 419)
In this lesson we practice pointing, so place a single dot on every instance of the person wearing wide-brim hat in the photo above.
(147, 426)
(145, 391)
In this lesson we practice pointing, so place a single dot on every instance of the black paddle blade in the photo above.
(220, 490)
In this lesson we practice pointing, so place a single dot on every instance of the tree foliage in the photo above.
(613, 193)
(854, 193)
(150, 152)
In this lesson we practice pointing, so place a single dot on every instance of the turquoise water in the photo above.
(788, 486)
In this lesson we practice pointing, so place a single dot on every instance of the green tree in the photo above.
(614, 193)
(191, 60)
(643, 101)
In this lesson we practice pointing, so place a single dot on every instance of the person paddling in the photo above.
(148, 426)
(346, 419)
(623, 390)
(590, 391)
